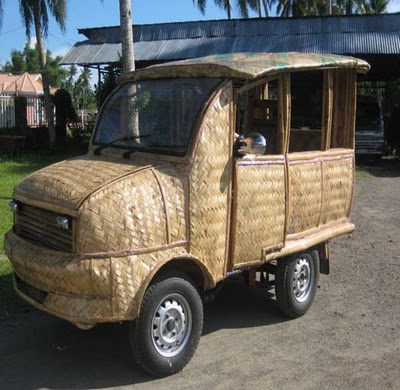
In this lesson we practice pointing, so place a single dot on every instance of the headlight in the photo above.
(14, 206)
(63, 222)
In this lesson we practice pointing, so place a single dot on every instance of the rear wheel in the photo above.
(166, 334)
(296, 283)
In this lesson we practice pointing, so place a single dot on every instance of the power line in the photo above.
(11, 31)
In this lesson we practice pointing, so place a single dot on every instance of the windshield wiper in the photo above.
(121, 139)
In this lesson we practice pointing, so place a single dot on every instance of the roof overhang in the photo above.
(246, 66)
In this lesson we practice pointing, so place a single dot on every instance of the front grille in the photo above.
(31, 292)
(40, 227)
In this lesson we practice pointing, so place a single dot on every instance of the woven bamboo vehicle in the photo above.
(197, 170)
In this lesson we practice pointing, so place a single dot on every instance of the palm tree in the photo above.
(377, 6)
(128, 57)
(243, 6)
(349, 7)
(224, 4)
(259, 5)
(35, 14)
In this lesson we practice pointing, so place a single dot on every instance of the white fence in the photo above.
(7, 112)
(35, 112)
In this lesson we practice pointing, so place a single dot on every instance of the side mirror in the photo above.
(253, 143)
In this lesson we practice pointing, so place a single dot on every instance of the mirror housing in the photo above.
(253, 143)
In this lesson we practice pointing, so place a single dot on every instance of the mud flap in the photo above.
(323, 251)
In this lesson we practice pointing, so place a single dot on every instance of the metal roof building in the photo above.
(375, 38)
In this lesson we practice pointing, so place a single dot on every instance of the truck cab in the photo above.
(197, 170)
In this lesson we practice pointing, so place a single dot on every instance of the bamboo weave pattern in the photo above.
(260, 212)
(209, 181)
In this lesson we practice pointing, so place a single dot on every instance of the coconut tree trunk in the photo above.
(45, 78)
(128, 57)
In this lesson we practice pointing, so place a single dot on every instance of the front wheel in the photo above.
(166, 334)
(296, 282)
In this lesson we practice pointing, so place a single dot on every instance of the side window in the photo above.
(306, 111)
(257, 112)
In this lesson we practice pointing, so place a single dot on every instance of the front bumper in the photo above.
(80, 290)
(376, 148)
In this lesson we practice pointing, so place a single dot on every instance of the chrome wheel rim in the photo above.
(171, 325)
(302, 279)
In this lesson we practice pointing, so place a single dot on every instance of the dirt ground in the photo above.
(348, 340)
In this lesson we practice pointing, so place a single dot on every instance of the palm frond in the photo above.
(201, 5)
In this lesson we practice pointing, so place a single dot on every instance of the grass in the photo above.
(362, 172)
(11, 172)
(10, 302)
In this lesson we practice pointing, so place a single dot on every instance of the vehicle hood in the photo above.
(68, 183)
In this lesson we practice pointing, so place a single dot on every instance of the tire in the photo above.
(165, 335)
(296, 282)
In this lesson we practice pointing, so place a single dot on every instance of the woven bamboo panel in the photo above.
(305, 196)
(129, 275)
(338, 189)
(48, 270)
(67, 183)
(174, 185)
(126, 215)
(79, 309)
(86, 290)
(260, 209)
(209, 181)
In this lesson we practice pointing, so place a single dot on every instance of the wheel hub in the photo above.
(171, 325)
(302, 279)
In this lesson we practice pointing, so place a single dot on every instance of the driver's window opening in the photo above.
(257, 112)
(306, 111)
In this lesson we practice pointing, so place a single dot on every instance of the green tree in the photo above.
(258, 6)
(226, 5)
(84, 96)
(35, 15)
(28, 61)
(377, 6)
(349, 7)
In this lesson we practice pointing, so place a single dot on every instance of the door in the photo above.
(259, 208)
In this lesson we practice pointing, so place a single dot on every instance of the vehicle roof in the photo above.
(246, 66)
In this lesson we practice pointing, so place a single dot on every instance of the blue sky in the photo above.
(93, 13)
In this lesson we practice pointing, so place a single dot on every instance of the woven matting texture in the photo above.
(260, 209)
(137, 211)
(338, 177)
(86, 290)
(246, 65)
(210, 181)
(68, 183)
(305, 196)
(320, 190)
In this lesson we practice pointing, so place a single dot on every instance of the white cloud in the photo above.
(394, 6)
(32, 42)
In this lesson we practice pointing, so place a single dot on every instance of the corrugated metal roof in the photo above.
(367, 34)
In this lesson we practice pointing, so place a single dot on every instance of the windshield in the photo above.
(155, 115)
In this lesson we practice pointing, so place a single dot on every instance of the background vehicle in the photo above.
(370, 129)
(169, 202)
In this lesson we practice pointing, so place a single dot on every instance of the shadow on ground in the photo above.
(37, 350)
(386, 167)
